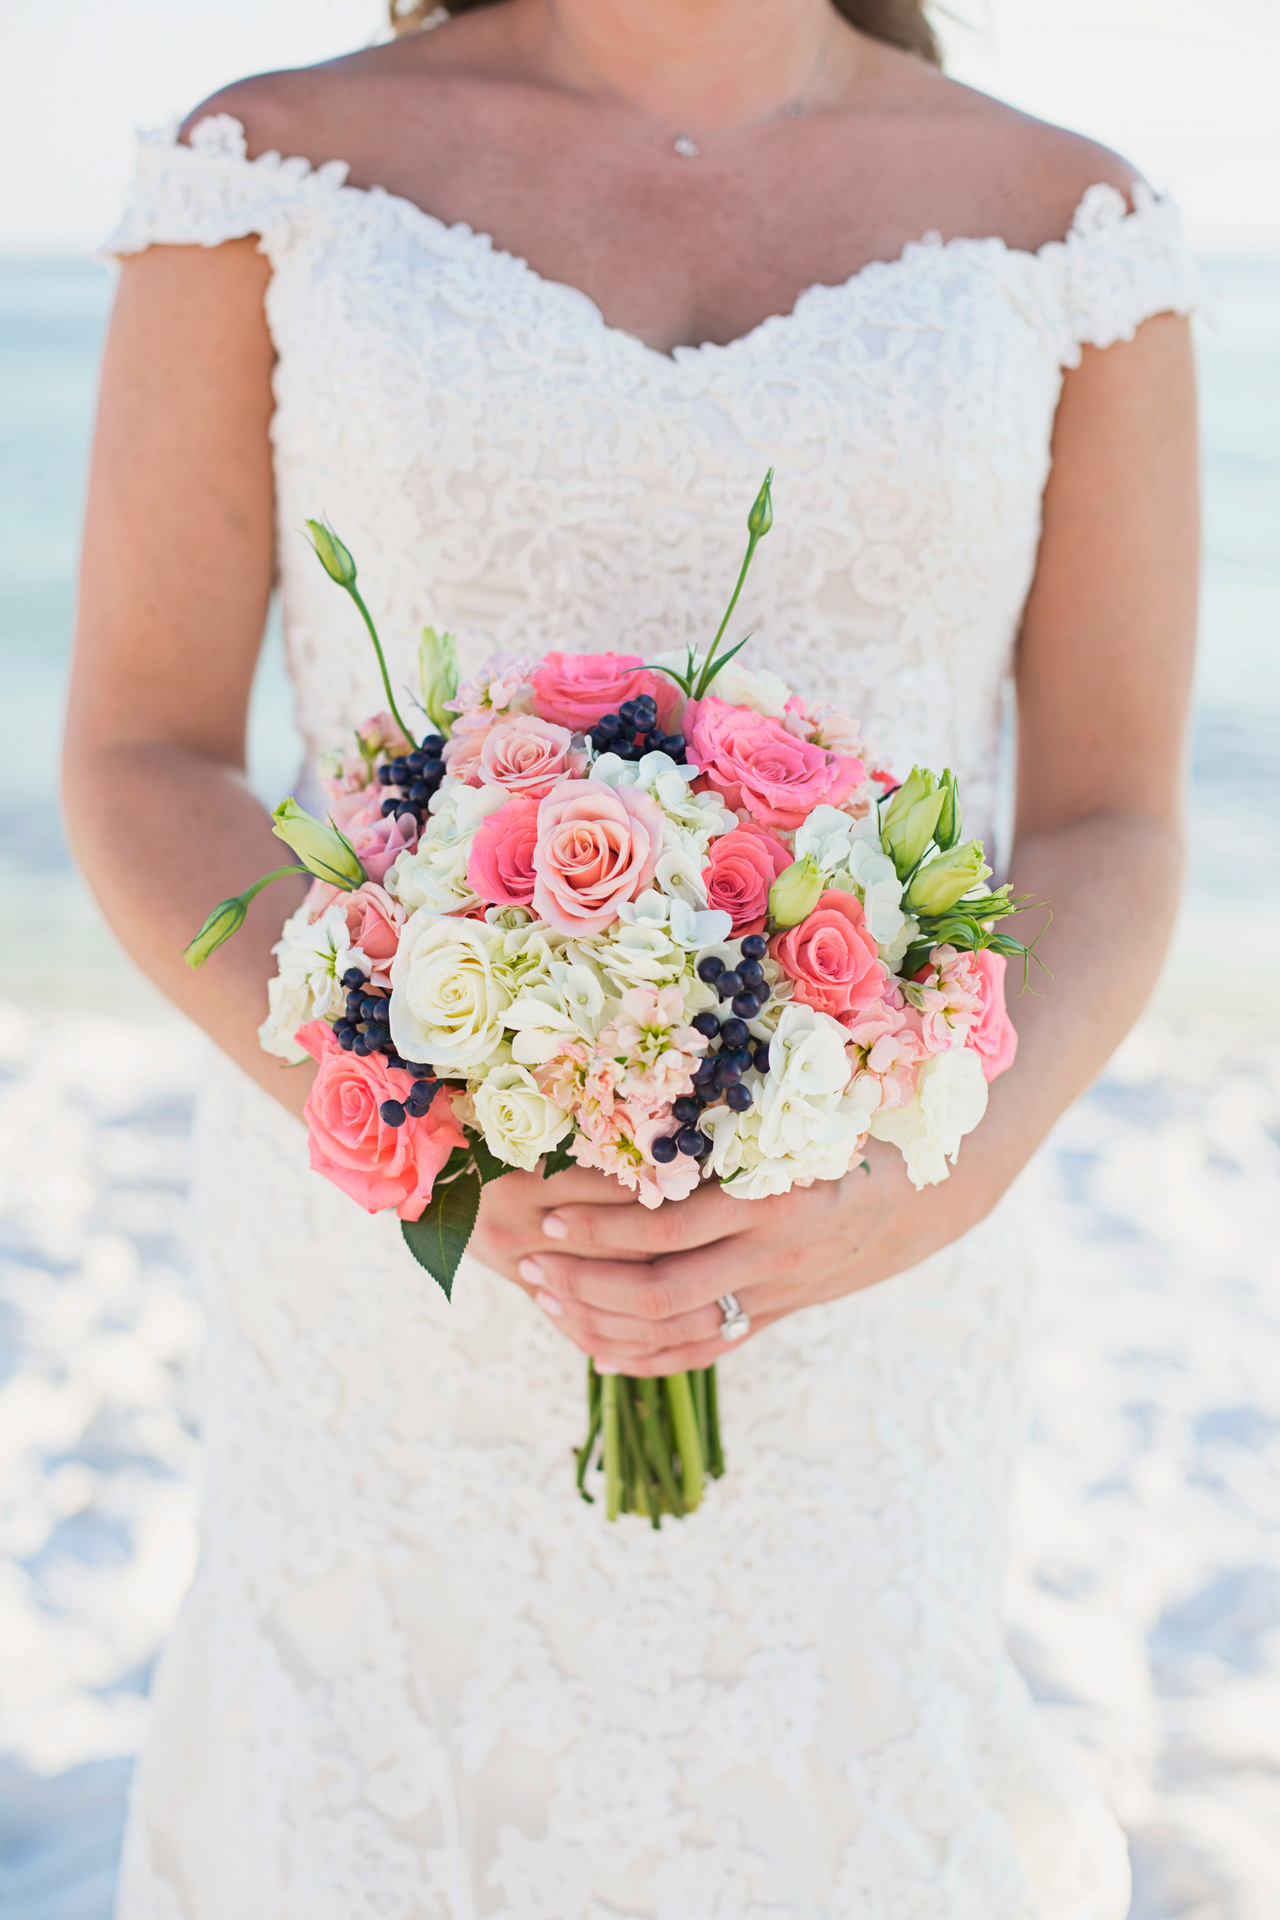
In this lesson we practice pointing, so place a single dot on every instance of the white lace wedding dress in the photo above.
(416, 1678)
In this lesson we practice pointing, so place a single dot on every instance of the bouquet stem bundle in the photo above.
(658, 1442)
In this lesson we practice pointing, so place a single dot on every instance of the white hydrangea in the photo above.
(434, 875)
(566, 1003)
(851, 858)
(807, 1121)
(448, 998)
(691, 820)
(517, 1120)
(312, 957)
(949, 1101)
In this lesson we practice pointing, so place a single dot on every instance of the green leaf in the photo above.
(558, 1161)
(487, 1164)
(438, 1239)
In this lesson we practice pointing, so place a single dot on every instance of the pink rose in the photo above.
(575, 689)
(993, 1037)
(526, 755)
(597, 846)
(374, 921)
(500, 864)
(462, 754)
(379, 845)
(761, 768)
(741, 868)
(352, 1145)
(831, 957)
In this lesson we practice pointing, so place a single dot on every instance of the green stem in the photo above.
(647, 1495)
(251, 893)
(753, 541)
(655, 1440)
(698, 1381)
(680, 1400)
(612, 1446)
(715, 1452)
(355, 593)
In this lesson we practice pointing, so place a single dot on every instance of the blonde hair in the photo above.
(902, 23)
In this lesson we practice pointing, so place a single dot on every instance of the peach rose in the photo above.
(761, 768)
(575, 689)
(993, 1037)
(500, 864)
(351, 1144)
(374, 921)
(740, 869)
(832, 958)
(597, 846)
(380, 844)
(526, 755)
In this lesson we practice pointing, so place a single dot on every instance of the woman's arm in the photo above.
(1103, 675)
(177, 571)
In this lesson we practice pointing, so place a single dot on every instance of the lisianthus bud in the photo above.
(760, 518)
(947, 831)
(332, 555)
(796, 892)
(438, 675)
(938, 886)
(227, 918)
(322, 850)
(908, 826)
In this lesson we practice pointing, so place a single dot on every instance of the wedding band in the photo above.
(735, 1324)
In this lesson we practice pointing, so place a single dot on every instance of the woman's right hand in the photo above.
(509, 1234)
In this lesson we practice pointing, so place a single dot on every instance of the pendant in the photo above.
(686, 146)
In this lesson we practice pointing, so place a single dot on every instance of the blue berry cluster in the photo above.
(364, 1028)
(719, 1075)
(412, 779)
(633, 731)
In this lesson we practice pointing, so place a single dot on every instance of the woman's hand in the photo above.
(637, 1290)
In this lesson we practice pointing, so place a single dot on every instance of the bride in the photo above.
(542, 294)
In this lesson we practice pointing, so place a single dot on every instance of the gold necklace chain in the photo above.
(686, 143)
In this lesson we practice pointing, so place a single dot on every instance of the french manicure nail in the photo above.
(549, 1303)
(606, 1367)
(531, 1270)
(554, 1227)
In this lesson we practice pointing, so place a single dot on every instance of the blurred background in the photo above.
(1145, 1595)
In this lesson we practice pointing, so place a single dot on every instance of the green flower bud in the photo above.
(227, 918)
(947, 831)
(438, 676)
(332, 555)
(938, 886)
(323, 851)
(760, 518)
(908, 826)
(795, 892)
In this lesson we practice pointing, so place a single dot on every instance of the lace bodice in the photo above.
(505, 464)
(417, 1680)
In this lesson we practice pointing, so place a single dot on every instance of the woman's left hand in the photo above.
(655, 1311)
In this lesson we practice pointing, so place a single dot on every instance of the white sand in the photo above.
(1146, 1590)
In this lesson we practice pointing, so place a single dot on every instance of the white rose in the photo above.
(447, 1001)
(949, 1101)
(519, 1123)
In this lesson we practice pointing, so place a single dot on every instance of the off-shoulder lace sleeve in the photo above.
(210, 191)
(1117, 268)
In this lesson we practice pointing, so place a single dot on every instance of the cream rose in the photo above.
(517, 1120)
(447, 999)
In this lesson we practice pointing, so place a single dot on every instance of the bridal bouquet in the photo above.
(658, 918)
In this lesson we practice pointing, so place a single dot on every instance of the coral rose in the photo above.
(575, 689)
(597, 847)
(500, 864)
(351, 1144)
(763, 769)
(526, 755)
(832, 958)
(380, 845)
(993, 1037)
(741, 867)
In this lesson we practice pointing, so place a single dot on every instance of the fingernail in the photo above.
(554, 1227)
(549, 1303)
(606, 1367)
(531, 1270)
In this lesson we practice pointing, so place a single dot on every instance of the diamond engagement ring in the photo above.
(735, 1323)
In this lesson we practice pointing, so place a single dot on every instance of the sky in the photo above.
(1187, 89)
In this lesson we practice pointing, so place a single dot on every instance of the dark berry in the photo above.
(762, 990)
(346, 1037)
(432, 769)
(675, 746)
(706, 1024)
(705, 1144)
(353, 978)
(664, 1149)
(360, 1045)
(746, 1005)
(689, 1140)
(420, 792)
(610, 725)
(416, 760)
(627, 712)
(728, 983)
(686, 1109)
(754, 946)
(400, 772)
(741, 1057)
(371, 1005)
(711, 968)
(432, 743)
(407, 810)
(385, 776)
(728, 1072)
(600, 741)
(738, 1098)
(761, 1056)
(655, 740)
(750, 972)
(734, 1033)
(393, 1113)
(377, 1037)
(390, 804)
